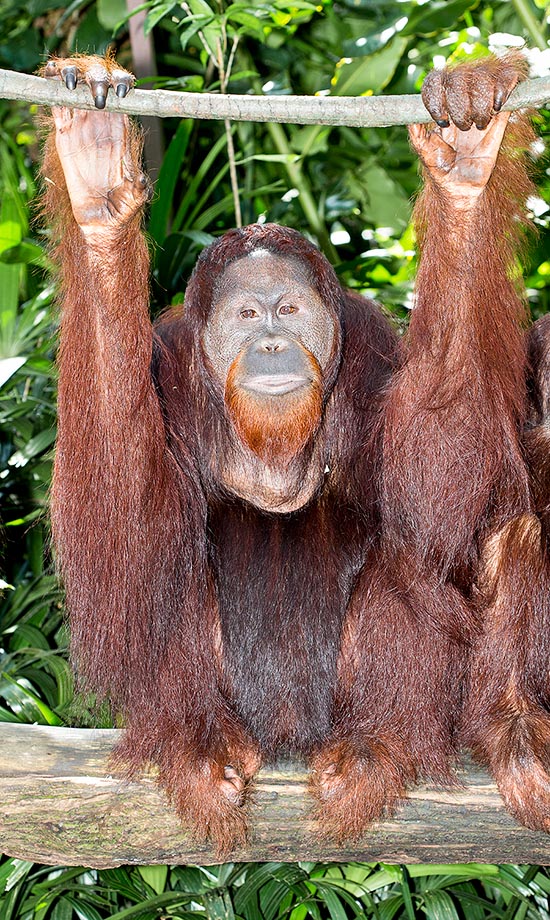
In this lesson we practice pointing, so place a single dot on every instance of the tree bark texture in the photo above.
(62, 804)
(361, 111)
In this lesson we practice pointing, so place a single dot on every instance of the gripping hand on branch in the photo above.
(460, 151)
(99, 151)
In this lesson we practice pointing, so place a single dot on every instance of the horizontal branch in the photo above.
(61, 804)
(361, 111)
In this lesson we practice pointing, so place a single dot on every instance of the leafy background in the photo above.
(349, 190)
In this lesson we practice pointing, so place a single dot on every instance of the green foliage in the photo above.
(268, 891)
(34, 676)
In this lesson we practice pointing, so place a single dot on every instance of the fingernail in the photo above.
(70, 79)
(99, 92)
(121, 90)
(443, 122)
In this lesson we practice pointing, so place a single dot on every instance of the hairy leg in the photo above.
(207, 774)
(397, 700)
(507, 717)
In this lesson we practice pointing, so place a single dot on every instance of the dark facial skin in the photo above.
(266, 310)
(266, 305)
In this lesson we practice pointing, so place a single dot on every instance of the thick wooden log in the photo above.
(61, 804)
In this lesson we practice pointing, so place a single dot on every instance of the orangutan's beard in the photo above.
(277, 428)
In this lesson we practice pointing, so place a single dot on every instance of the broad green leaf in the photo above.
(368, 75)
(7, 716)
(28, 519)
(438, 905)
(187, 34)
(61, 671)
(154, 876)
(16, 692)
(170, 900)
(156, 14)
(387, 205)
(25, 253)
(465, 894)
(387, 875)
(167, 179)
(62, 910)
(246, 895)
(8, 367)
(410, 912)
(35, 446)
(249, 22)
(10, 234)
(10, 277)
(111, 12)
(299, 913)
(218, 905)
(27, 636)
(210, 24)
(333, 899)
(189, 200)
(288, 881)
(388, 908)
(310, 139)
(12, 872)
(82, 909)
